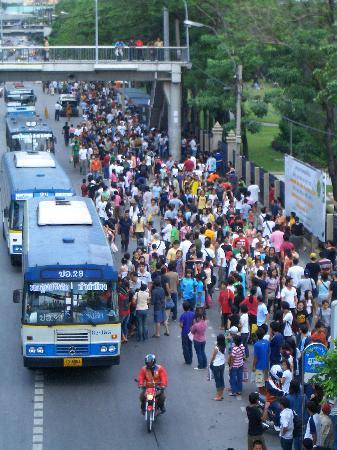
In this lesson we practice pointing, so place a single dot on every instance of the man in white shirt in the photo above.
(254, 192)
(295, 272)
(287, 321)
(166, 231)
(185, 246)
(220, 259)
(267, 227)
(83, 157)
(287, 425)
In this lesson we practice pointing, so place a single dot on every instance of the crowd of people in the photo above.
(202, 240)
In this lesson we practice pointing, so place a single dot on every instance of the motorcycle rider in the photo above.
(274, 393)
(152, 374)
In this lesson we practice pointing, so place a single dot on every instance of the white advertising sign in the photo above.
(305, 194)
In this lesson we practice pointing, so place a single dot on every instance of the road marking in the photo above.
(37, 439)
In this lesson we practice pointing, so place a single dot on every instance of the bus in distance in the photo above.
(25, 175)
(28, 133)
(70, 314)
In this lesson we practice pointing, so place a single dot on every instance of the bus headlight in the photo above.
(104, 349)
(31, 350)
(112, 348)
(40, 350)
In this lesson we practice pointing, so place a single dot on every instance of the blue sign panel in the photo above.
(70, 274)
(311, 361)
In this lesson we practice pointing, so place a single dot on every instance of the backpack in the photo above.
(297, 425)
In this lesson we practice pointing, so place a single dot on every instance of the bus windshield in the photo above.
(59, 302)
(16, 215)
(36, 142)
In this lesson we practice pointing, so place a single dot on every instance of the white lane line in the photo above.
(37, 436)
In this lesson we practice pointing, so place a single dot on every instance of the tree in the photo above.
(327, 376)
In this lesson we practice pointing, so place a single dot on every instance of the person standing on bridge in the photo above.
(46, 49)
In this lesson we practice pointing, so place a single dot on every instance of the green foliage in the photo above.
(327, 376)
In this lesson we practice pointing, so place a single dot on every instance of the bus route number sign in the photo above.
(66, 274)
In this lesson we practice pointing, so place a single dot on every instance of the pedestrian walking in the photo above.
(186, 322)
(158, 302)
(58, 109)
(142, 300)
(255, 422)
(217, 365)
(198, 331)
(235, 362)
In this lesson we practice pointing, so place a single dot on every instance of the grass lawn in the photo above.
(261, 152)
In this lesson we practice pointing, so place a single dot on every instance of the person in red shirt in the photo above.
(189, 165)
(226, 300)
(241, 242)
(252, 303)
(84, 188)
(150, 375)
(287, 245)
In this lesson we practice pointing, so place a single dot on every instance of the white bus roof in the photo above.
(60, 212)
(32, 160)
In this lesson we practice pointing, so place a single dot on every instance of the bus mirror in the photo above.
(17, 296)
(6, 213)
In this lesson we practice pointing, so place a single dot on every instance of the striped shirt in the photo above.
(237, 354)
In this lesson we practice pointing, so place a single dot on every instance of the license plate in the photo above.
(72, 362)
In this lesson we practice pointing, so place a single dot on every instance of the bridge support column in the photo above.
(173, 97)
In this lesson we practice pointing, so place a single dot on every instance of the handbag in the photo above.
(169, 303)
(114, 247)
(190, 336)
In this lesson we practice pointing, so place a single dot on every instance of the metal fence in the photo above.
(103, 54)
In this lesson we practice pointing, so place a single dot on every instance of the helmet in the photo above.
(150, 360)
(276, 372)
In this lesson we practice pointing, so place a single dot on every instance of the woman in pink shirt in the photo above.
(276, 238)
(198, 331)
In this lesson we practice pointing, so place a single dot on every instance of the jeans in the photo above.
(106, 172)
(83, 166)
(187, 348)
(124, 325)
(191, 301)
(235, 379)
(297, 443)
(334, 427)
(244, 337)
(174, 297)
(286, 444)
(142, 331)
(276, 409)
(199, 348)
(218, 372)
(124, 242)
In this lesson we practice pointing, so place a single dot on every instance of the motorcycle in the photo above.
(268, 424)
(151, 410)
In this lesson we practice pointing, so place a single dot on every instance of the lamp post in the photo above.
(187, 31)
(96, 31)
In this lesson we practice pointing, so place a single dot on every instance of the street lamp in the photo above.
(191, 23)
(96, 31)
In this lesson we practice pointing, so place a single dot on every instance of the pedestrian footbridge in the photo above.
(92, 63)
(161, 65)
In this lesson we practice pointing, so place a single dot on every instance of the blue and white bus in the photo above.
(70, 315)
(28, 133)
(26, 175)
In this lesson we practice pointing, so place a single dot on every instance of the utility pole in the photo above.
(238, 106)
(187, 32)
(166, 32)
(291, 138)
(96, 31)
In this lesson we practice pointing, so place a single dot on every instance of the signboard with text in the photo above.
(311, 360)
(305, 194)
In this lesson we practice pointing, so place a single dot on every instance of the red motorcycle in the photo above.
(151, 410)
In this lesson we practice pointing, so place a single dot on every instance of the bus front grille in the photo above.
(82, 336)
(72, 350)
